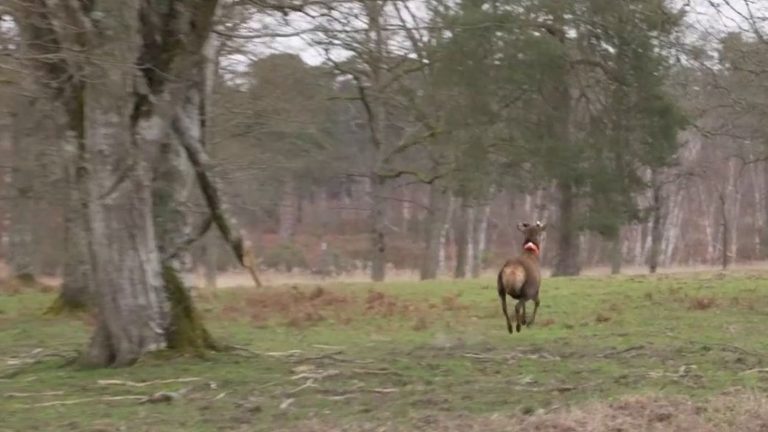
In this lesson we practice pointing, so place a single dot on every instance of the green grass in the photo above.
(392, 358)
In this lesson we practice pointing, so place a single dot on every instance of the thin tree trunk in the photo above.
(471, 216)
(481, 236)
(210, 260)
(288, 213)
(759, 195)
(439, 201)
(75, 290)
(446, 226)
(567, 263)
(616, 256)
(733, 187)
(378, 235)
(656, 223)
(462, 238)
(725, 228)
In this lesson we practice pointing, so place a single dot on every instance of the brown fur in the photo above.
(520, 278)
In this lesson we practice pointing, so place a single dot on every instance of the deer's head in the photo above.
(532, 235)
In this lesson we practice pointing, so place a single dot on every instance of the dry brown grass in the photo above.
(304, 307)
(702, 303)
(741, 412)
(18, 286)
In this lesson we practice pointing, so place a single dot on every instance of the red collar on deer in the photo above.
(531, 247)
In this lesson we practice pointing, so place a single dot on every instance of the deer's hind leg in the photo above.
(535, 308)
(518, 314)
(503, 297)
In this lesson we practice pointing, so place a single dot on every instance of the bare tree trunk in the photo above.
(75, 290)
(725, 228)
(439, 201)
(735, 190)
(481, 236)
(210, 260)
(616, 256)
(288, 213)
(656, 223)
(462, 239)
(673, 227)
(471, 216)
(567, 263)
(759, 195)
(378, 224)
(443, 243)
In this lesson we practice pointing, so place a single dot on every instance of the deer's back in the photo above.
(520, 277)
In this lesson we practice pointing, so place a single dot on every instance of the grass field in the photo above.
(670, 352)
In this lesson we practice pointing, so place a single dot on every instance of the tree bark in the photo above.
(567, 263)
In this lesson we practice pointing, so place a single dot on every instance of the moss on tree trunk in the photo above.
(187, 333)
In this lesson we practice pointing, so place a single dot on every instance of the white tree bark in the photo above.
(133, 310)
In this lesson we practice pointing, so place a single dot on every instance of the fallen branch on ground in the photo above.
(309, 383)
(50, 393)
(755, 370)
(621, 351)
(77, 401)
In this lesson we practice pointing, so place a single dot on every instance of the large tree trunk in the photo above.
(378, 235)
(24, 142)
(567, 263)
(439, 200)
(133, 312)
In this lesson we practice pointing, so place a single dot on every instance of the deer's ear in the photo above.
(522, 226)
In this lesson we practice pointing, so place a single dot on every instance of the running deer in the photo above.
(520, 277)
